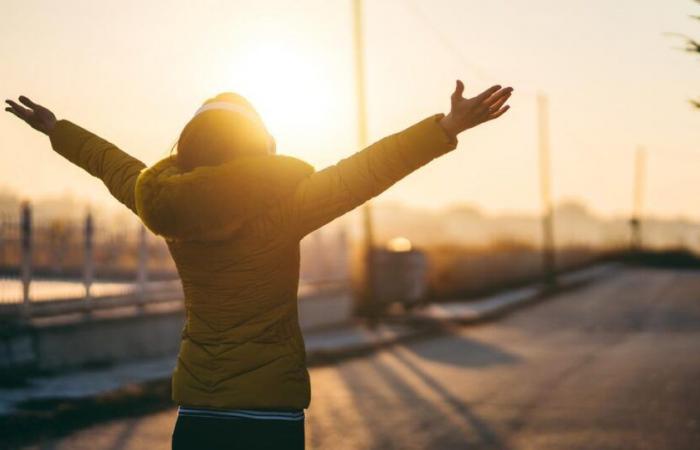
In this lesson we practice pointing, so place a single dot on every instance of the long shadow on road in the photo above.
(472, 353)
(401, 405)
(486, 434)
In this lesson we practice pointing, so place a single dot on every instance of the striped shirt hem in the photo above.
(241, 413)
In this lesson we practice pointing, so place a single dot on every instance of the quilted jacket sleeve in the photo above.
(335, 190)
(117, 169)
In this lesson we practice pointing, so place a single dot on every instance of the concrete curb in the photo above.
(438, 318)
(495, 306)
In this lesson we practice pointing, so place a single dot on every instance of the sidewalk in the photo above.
(496, 305)
(322, 346)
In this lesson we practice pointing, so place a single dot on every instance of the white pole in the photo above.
(548, 256)
(368, 225)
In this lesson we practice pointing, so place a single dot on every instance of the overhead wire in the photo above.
(480, 72)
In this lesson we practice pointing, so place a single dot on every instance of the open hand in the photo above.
(36, 116)
(469, 112)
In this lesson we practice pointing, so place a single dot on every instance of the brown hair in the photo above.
(217, 136)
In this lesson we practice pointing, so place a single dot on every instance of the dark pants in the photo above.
(203, 433)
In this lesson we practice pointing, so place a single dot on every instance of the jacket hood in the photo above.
(212, 202)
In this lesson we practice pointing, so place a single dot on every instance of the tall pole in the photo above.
(548, 256)
(637, 200)
(368, 226)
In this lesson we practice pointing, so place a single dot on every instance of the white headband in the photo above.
(233, 107)
(226, 106)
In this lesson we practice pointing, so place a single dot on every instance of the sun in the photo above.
(289, 87)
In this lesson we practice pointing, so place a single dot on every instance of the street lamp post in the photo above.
(548, 255)
(368, 226)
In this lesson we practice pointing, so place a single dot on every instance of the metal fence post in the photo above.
(142, 271)
(26, 259)
(3, 226)
(343, 262)
(88, 261)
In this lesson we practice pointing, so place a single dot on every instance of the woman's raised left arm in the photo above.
(337, 189)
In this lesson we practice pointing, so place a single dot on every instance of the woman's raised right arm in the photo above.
(117, 169)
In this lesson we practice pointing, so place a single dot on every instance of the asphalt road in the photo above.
(615, 365)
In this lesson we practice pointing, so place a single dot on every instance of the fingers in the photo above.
(498, 113)
(499, 96)
(457, 94)
(493, 106)
(496, 104)
(487, 93)
(459, 89)
(11, 111)
(25, 101)
(17, 110)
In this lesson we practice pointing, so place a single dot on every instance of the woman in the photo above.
(232, 213)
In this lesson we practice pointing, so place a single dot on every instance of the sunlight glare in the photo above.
(288, 88)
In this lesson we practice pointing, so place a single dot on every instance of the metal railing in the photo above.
(52, 268)
(60, 267)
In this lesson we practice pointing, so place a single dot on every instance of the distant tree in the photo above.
(693, 46)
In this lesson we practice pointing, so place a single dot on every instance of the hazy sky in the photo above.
(135, 71)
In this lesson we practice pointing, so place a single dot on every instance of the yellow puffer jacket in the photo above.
(234, 231)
